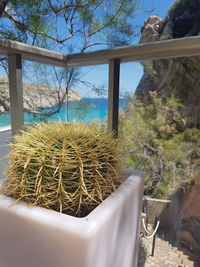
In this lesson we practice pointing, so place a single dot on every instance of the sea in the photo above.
(85, 110)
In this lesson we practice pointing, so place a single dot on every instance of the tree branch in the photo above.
(106, 24)
(94, 44)
(56, 11)
(25, 27)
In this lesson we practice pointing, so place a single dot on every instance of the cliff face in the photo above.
(35, 96)
(179, 76)
(190, 233)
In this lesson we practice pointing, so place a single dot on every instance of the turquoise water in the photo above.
(86, 110)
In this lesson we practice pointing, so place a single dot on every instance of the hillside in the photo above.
(36, 96)
(179, 76)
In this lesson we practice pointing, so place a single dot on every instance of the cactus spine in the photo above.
(67, 167)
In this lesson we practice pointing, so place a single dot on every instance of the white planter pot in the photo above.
(107, 237)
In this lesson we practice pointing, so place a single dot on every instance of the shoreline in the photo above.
(86, 110)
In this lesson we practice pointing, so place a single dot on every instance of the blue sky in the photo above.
(151, 7)
(130, 73)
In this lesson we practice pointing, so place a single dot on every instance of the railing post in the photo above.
(16, 92)
(113, 95)
(154, 237)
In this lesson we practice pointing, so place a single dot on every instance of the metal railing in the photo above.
(16, 52)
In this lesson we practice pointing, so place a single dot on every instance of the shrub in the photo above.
(155, 139)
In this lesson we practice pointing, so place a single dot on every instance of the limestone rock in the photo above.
(167, 31)
(152, 29)
(1, 109)
(190, 234)
(36, 96)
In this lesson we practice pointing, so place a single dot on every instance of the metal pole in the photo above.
(16, 92)
(154, 237)
(113, 95)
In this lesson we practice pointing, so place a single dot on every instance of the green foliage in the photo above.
(70, 168)
(155, 139)
(148, 66)
(93, 22)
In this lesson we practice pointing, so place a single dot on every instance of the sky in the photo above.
(130, 73)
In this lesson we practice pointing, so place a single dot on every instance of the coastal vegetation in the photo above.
(161, 128)
(84, 24)
(156, 138)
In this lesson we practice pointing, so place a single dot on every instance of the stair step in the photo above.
(166, 255)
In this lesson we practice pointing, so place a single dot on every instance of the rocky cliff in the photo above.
(190, 230)
(36, 96)
(179, 76)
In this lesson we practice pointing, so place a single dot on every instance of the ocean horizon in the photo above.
(85, 110)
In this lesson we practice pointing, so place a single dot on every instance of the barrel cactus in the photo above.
(67, 167)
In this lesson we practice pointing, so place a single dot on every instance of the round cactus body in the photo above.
(67, 167)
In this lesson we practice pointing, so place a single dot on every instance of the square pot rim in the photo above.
(86, 226)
